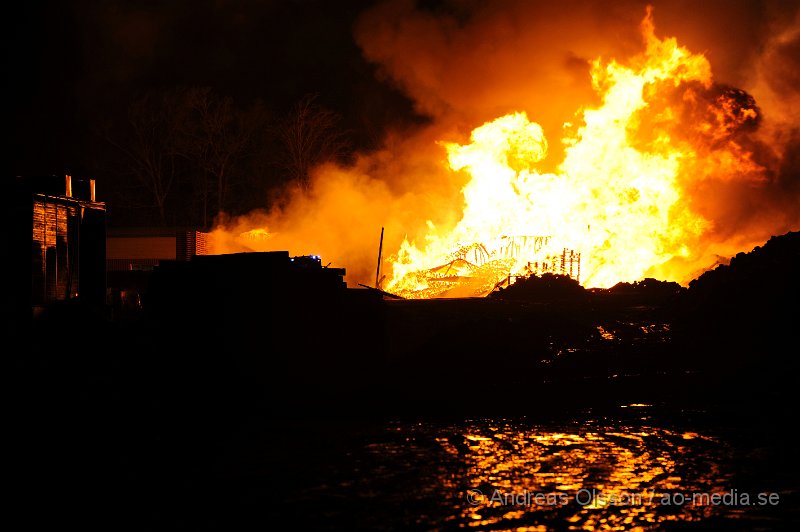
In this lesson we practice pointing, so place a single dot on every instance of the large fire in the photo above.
(616, 198)
(664, 174)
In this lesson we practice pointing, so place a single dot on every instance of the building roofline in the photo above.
(139, 231)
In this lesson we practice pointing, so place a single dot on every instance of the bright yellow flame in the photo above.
(258, 234)
(614, 199)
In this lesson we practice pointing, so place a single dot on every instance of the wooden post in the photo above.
(378, 271)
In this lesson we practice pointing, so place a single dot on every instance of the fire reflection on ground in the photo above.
(595, 474)
(588, 477)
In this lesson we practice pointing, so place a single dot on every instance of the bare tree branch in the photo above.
(310, 135)
(214, 137)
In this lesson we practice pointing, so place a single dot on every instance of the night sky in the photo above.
(73, 64)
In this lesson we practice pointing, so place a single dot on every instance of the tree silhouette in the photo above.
(149, 144)
(190, 141)
(309, 136)
(214, 137)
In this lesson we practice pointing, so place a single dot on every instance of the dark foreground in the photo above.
(140, 429)
(222, 410)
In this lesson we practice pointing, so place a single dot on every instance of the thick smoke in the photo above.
(401, 188)
(749, 207)
(467, 62)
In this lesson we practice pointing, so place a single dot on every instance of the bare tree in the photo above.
(214, 137)
(150, 144)
(310, 135)
(189, 133)
(204, 139)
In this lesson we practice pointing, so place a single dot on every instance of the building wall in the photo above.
(55, 250)
(55, 243)
(140, 247)
(134, 253)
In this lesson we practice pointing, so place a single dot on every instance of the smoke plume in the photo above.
(467, 62)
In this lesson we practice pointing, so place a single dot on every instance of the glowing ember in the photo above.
(617, 198)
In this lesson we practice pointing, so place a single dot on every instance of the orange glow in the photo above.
(258, 234)
(592, 478)
(616, 198)
(660, 170)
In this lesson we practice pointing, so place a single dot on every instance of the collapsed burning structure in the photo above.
(476, 270)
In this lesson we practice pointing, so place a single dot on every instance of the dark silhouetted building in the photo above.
(132, 253)
(56, 243)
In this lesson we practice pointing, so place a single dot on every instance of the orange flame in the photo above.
(617, 198)
(664, 175)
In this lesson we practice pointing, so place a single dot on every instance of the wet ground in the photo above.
(430, 415)
(591, 473)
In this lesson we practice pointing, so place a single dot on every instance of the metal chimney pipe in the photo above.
(68, 186)
(91, 190)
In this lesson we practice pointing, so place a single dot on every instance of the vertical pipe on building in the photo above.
(68, 186)
(91, 190)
